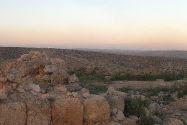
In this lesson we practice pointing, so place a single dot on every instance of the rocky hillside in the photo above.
(167, 53)
(36, 89)
(110, 65)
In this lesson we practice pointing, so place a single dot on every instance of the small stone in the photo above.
(73, 87)
(69, 94)
(44, 96)
(50, 68)
(114, 111)
(20, 89)
(85, 93)
(120, 116)
(73, 79)
(75, 94)
(35, 88)
(61, 89)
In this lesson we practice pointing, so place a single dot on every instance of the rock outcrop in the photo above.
(96, 110)
(37, 90)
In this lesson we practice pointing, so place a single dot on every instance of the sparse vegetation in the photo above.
(94, 89)
(90, 78)
(164, 93)
(137, 107)
(146, 77)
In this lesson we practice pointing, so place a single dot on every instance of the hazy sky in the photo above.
(120, 24)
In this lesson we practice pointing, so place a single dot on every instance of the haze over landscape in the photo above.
(108, 24)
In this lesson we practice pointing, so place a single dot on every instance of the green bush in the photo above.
(135, 106)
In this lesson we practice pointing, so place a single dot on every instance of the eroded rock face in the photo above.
(96, 110)
(38, 113)
(67, 111)
(13, 113)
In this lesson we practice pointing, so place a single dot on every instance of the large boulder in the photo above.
(38, 112)
(67, 111)
(155, 108)
(115, 99)
(96, 110)
(13, 113)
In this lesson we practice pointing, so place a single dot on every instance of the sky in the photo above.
(101, 24)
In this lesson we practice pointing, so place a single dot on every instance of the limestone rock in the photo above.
(50, 68)
(67, 111)
(85, 93)
(73, 87)
(120, 116)
(35, 87)
(38, 113)
(73, 79)
(115, 99)
(155, 108)
(13, 114)
(96, 110)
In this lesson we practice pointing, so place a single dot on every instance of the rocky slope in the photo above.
(108, 64)
(36, 89)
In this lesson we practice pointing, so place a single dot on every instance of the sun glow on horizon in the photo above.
(129, 24)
